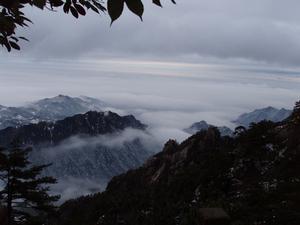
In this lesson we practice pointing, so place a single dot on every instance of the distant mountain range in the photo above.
(268, 113)
(85, 148)
(62, 106)
(48, 109)
(258, 115)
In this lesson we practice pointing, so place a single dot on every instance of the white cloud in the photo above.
(114, 140)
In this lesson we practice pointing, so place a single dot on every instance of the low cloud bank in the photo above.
(114, 140)
(84, 165)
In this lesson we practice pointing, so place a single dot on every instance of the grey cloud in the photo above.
(258, 30)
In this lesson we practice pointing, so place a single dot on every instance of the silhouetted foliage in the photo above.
(296, 114)
(24, 194)
(12, 15)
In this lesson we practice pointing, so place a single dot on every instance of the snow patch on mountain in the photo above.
(48, 109)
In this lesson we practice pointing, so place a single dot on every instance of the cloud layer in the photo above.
(167, 96)
(258, 30)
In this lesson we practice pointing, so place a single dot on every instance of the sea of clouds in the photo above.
(166, 96)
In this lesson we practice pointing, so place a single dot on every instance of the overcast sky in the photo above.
(257, 30)
(200, 59)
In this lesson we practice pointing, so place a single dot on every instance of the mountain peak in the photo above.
(48, 109)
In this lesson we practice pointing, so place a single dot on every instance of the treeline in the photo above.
(24, 198)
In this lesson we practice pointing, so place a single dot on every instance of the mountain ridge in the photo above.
(91, 123)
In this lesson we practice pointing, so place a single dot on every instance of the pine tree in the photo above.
(296, 114)
(25, 191)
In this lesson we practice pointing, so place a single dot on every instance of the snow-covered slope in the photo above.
(48, 109)
(268, 113)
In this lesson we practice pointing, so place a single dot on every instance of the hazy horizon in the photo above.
(168, 96)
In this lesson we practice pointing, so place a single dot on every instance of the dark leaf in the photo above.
(67, 6)
(57, 3)
(136, 6)
(94, 8)
(80, 9)
(14, 45)
(39, 3)
(115, 9)
(157, 2)
(87, 5)
(99, 6)
(7, 45)
(26, 19)
(14, 38)
(74, 12)
(23, 38)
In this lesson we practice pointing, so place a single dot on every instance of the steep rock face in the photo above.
(48, 109)
(203, 125)
(254, 176)
(268, 113)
